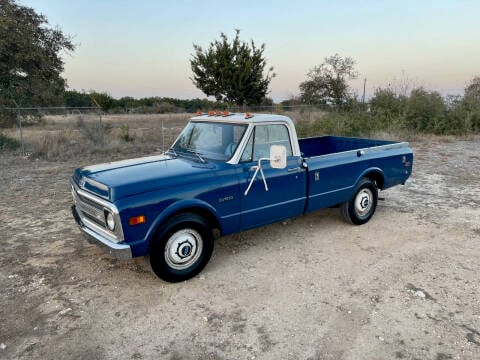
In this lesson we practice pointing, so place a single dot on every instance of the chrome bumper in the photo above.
(119, 251)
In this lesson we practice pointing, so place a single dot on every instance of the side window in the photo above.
(263, 137)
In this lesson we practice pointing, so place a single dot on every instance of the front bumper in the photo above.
(119, 251)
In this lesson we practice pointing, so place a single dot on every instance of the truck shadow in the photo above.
(283, 235)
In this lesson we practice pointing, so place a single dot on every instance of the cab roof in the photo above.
(243, 118)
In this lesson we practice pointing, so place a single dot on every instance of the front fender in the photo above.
(175, 208)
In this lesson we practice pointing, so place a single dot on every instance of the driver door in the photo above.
(286, 195)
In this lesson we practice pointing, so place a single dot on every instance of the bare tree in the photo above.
(403, 85)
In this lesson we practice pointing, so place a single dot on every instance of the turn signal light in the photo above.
(199, 113)
(248, 115)
(137, 220)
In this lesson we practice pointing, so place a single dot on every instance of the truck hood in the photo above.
(124, 178)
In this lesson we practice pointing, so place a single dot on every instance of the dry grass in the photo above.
(88, 136)
(76, 137)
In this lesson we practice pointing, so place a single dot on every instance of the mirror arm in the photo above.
(257, 169)
(264, 180)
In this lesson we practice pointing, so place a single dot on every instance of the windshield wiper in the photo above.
(196, 153)
(186, 151)
(172, 150)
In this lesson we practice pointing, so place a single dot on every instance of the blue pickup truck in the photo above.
(224, 174)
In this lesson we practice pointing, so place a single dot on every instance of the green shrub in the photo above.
(7, 119)
(125, 134)
(8, 143)
(426, 112)
(388, 109)
(164, 108)
(347, 123)
(464, 116)
(386, 103)
(303, 128)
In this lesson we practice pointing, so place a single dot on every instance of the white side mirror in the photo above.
(278, 156)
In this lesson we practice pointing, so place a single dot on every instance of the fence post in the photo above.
(163, 138)
(102, 135)
(99, 111)
(19, 117)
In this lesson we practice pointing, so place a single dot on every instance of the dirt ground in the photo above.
(404, 286)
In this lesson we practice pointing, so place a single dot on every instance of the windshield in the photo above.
(216, 141)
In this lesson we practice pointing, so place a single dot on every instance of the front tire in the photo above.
(182, 248)
(361, 207)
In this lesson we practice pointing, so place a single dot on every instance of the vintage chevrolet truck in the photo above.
(224, 174)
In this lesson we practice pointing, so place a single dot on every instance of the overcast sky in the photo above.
(142, 48)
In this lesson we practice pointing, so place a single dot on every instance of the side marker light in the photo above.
(136, 220)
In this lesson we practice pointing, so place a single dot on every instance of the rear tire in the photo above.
(361, 207)
(182, 248)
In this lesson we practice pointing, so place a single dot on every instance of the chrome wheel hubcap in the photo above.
(183, 249)
(363, 202)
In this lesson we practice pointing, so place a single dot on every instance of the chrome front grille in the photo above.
(91, 211)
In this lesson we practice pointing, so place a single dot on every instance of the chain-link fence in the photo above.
(26, 118)
(63, 132)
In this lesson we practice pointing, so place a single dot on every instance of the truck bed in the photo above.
(323, 145)
(335, 164)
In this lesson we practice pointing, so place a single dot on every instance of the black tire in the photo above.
(361, 207)
(182, 248)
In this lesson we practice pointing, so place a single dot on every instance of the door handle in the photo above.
(293, 169)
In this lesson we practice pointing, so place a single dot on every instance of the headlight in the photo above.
(110, 220)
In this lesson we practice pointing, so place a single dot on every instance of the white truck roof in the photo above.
(241, 118)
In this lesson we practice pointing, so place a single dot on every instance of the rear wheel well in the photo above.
(376, 177)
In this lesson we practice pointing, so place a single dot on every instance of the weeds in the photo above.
(92, 130)
(125, 134)
(57, 145)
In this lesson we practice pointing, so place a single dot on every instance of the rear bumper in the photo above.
(119, 251)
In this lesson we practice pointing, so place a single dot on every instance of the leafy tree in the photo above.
(267, 101)
(102, 99)
(232, 72)
(472, 91)
(464, 112)
(30, 62)
(125, 103)
(386, 102)
(74, 98)
(327, 83)
(426, 112)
